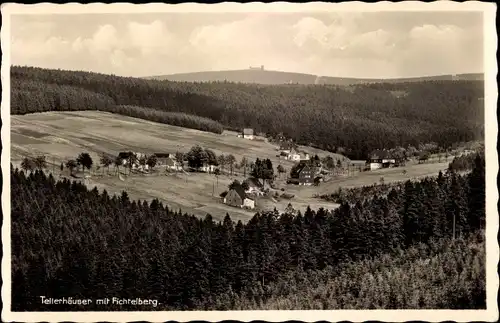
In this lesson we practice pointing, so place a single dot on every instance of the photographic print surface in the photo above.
(256, 161)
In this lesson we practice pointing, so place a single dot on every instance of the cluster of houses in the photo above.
(166, 160)
(307, 173)
(288, 151)
(162, 159)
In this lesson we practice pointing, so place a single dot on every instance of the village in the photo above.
(256, 174)
(250, 180)
(236, 172)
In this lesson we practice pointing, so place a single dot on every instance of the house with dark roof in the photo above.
(164, 155)
(307, 175)
(283, 154)
(238, 198)
(380, 159)
(286, 146)
(125, 155)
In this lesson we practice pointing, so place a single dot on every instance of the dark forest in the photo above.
(354, 119)
(68, 240)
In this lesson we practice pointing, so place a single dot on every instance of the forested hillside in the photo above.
(358, 118)
(71, 241)
(240, 76)
(261, 76)
(437, 275)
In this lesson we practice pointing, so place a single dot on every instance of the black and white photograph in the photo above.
(231, 161)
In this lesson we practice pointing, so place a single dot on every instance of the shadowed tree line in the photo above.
(68, 240)
(435, 275)
(354, 120)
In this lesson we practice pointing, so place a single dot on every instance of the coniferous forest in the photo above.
(355, 119)
(420, 246)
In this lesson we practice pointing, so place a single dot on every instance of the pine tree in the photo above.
(455, 207)
(477, 197)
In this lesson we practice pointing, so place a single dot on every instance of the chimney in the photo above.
(262, 67)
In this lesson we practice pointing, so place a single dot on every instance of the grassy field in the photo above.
(390, 175)
(63, 135)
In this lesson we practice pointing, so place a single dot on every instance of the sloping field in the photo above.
(70, 133)
(390, 175)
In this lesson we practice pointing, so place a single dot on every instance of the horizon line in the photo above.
(248, 69)
(316, 75)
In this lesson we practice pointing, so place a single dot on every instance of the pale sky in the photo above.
(348, 44)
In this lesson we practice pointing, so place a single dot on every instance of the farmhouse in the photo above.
(380, 159)
(294, 156)
(286, 146)
(248, 133)
(208, 168)
(136, 157)
(238, 198)
(171, 164)
(161, 158)
(305, 157)
(307, 175)
(168, 160)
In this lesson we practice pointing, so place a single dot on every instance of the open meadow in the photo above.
(63, 135)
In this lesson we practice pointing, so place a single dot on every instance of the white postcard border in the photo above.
(491, 131)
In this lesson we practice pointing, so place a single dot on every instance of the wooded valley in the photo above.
(355, 119)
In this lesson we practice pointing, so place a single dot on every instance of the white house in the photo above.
(293, 155)
(248, 133)
(208, 168)
(249, 203)
(380, 159)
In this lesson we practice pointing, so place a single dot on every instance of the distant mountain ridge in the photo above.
(261, 76)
